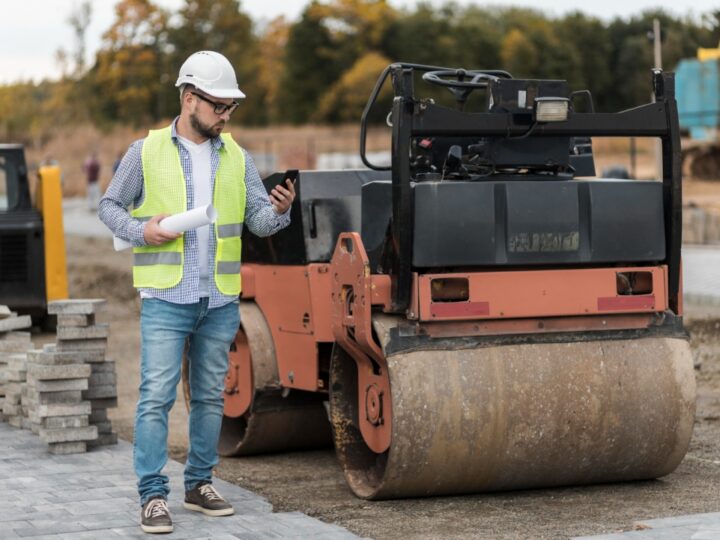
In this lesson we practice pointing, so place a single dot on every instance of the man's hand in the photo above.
(156, 235)
(282, 198)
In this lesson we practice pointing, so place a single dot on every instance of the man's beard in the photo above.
(209, 132)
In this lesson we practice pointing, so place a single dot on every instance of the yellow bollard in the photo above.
(49, 203)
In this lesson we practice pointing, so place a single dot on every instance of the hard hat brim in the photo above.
(225, 94)
(228, 93)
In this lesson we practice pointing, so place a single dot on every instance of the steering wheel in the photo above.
(461, 82)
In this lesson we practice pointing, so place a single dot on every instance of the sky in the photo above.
(31, 31)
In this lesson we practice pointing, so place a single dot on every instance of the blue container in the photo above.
(697, 89)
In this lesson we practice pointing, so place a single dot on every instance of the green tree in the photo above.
(421, 37)
(588, 36)
(327, 41)
(311, 67)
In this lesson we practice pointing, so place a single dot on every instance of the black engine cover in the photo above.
(544, 222)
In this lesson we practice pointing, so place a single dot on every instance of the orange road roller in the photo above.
(484, 313)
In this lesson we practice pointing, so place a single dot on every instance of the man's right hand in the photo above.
(155, 235)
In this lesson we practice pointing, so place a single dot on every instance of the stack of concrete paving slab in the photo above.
(13, 346)
(79, 336)
(53, 397)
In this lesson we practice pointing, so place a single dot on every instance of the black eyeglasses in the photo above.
(220, 108)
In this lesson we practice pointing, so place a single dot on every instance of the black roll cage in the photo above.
(413, 118)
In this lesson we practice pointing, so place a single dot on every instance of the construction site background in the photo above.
(278, 148)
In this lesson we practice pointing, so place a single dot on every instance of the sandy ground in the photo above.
(312, 482)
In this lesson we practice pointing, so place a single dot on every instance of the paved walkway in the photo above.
(93, 495)
(692, 527)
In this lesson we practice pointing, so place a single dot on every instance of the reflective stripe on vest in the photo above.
(161, 267)
(231, 229)
(146, 259)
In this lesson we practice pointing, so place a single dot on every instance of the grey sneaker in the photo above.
(155, 516)
(203, 498)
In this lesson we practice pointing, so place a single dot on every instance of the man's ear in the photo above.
(186, 95)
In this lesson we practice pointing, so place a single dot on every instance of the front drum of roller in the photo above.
(521, 416)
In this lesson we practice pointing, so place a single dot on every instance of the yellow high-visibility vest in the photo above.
(161, 267)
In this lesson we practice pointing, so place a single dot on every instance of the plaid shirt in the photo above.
(127, 188)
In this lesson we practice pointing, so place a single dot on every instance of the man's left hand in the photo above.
(282, 197)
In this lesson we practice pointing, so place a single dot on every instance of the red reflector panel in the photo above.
(613, 303)
(459, 309)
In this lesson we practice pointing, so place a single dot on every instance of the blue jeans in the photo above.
(164, 328)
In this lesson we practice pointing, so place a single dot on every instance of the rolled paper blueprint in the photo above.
(179, 223)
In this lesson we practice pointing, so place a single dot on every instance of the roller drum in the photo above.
(276, 421)
(277, 424)
(521, 416)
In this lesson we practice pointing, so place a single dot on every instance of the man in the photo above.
(189, 284)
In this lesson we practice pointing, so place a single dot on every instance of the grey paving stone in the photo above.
(99, 379)
(129, 532)
(83, 332)
(103, 391)
(12, 398)
(15, 375)
(82, 345)
(98, 415)
(16, 361)
(15, 323)
(71, 447)
(56, 528)
(67, 371)
(22, 524)
(90, 535)
(75, 320)
(46, 398)
(103, 427)
(8, 345)
(25, 515)
(59, 409)
(60, 386)
(104, 403)
(76, 306)
(63, 435)
(11, 409)
(108, 366)
(51, 355)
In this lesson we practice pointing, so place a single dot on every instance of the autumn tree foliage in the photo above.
(126, 77)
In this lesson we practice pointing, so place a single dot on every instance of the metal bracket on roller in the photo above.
(238, 391)
(352, 328)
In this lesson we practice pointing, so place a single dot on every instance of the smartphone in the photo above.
(291, 174)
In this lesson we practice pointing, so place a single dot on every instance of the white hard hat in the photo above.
(212, 73)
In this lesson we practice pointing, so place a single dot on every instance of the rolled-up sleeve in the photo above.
(260, 216)
(125, 190)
